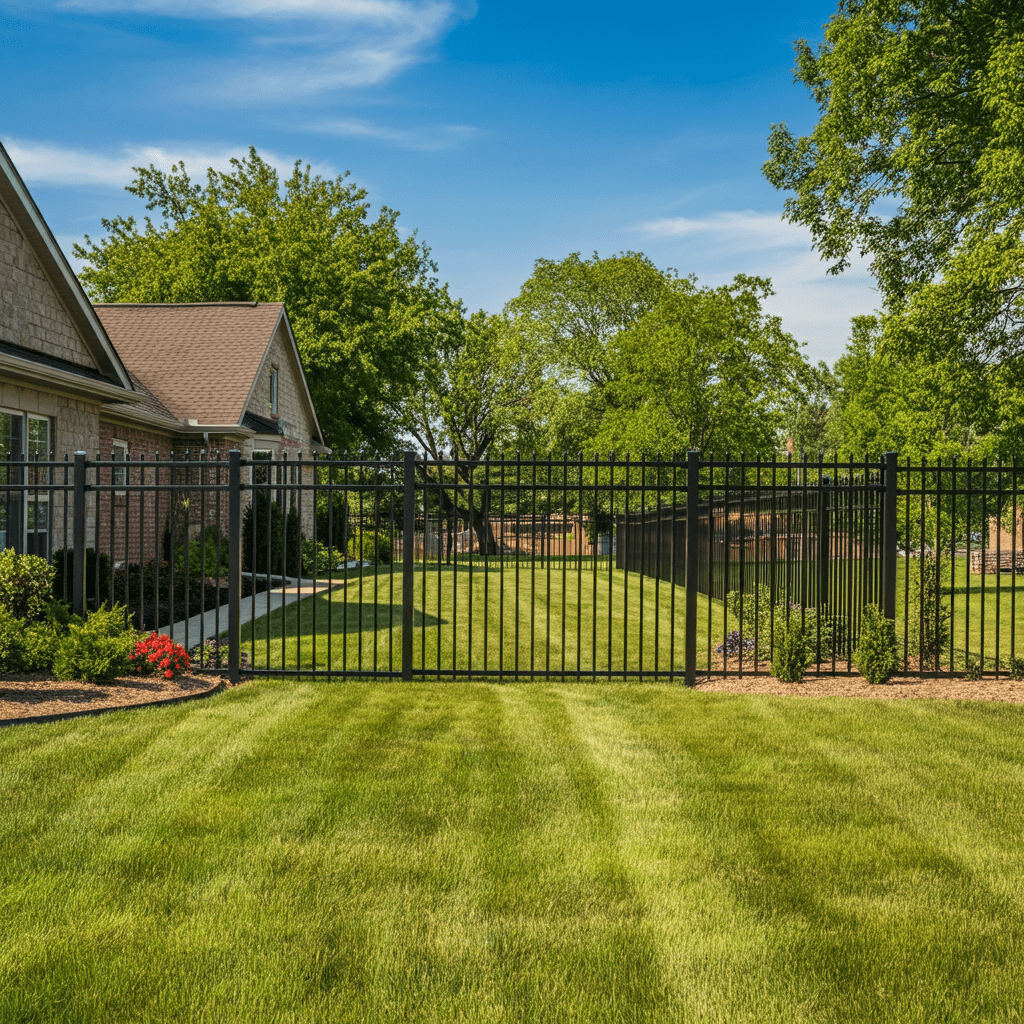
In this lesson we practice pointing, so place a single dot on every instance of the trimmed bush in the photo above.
(875, 657)
(1015, 667)
(372, 546)
(64, 575)
(26, 585)
(99, 650)
(790, 661)
(322, 561)
(12, 642)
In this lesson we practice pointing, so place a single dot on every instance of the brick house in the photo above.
(127, 382)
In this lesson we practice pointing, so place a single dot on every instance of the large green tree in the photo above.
(917, 162)
(363, 301)
(483, 394)
(571, 310)
(706, 368)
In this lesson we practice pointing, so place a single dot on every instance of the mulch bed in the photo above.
(940, 688)
(33, 694)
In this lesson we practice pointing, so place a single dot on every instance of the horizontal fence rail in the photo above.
(533, 567)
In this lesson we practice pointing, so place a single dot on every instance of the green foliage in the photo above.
(12, 641)
(1015, 667)
(99, 650)
(97, 586)
(706, 368)
(320, 561)
(754, 610)
(26, 584)
(875, 657)
(370, 546)
(791, 649)
(919, 109)
(39, 644)
(203, 554)
(925, 601)
(283, 532)
(362, 300)
(972, 668)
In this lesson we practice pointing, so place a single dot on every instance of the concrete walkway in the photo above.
(204, 625)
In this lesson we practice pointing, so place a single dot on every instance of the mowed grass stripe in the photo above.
(857, 874)
(303, 852)
(454, 634)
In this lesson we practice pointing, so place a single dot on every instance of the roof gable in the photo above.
(48, 311)
(200, 361)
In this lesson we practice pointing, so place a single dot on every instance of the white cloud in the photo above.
(45, 163)
(815, 306)
(444, 136)
(755, 228)
(314, 45)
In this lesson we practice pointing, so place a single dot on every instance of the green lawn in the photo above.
(358, 626)
(544, 619)
(324, 852)
(976, 600)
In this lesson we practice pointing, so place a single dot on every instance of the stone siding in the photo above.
(31, 314)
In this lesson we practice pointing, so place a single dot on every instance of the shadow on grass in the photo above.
(301, 620)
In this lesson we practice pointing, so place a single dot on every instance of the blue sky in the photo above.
(502, 131)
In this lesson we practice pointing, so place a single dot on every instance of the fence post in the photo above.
(821, 597)
(78, 541)
(889, 538)
(234, 564)
(408, 554)
(692, 496)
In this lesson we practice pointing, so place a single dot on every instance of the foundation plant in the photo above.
(876, 657)
(40, 634)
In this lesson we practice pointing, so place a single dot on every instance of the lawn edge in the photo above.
(41, 719)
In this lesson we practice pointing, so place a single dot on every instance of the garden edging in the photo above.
(180, 699)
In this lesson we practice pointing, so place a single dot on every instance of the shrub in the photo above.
(98, 650)
(926, 640)
(372, 546)
(875, 657)
(12, 642)
(26, 585)
(159, 654)
(320, 562)
(64, 574)
(267, 519)
(972, 668)
(39, 645)
(791, 654)
(1015, 667)
(754, 610)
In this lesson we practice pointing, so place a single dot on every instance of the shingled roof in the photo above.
(197, 360)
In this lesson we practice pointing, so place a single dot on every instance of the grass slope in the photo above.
(470, 852)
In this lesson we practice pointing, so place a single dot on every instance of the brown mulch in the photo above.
(31, 694)
(940, 688)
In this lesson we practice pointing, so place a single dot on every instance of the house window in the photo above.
(273, 391)
(119, 473)
(25, 513)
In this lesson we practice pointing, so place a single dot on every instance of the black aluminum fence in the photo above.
(533, 567)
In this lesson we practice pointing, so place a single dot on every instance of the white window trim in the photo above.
(122, 473)
(258, 453)
(40, 496)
